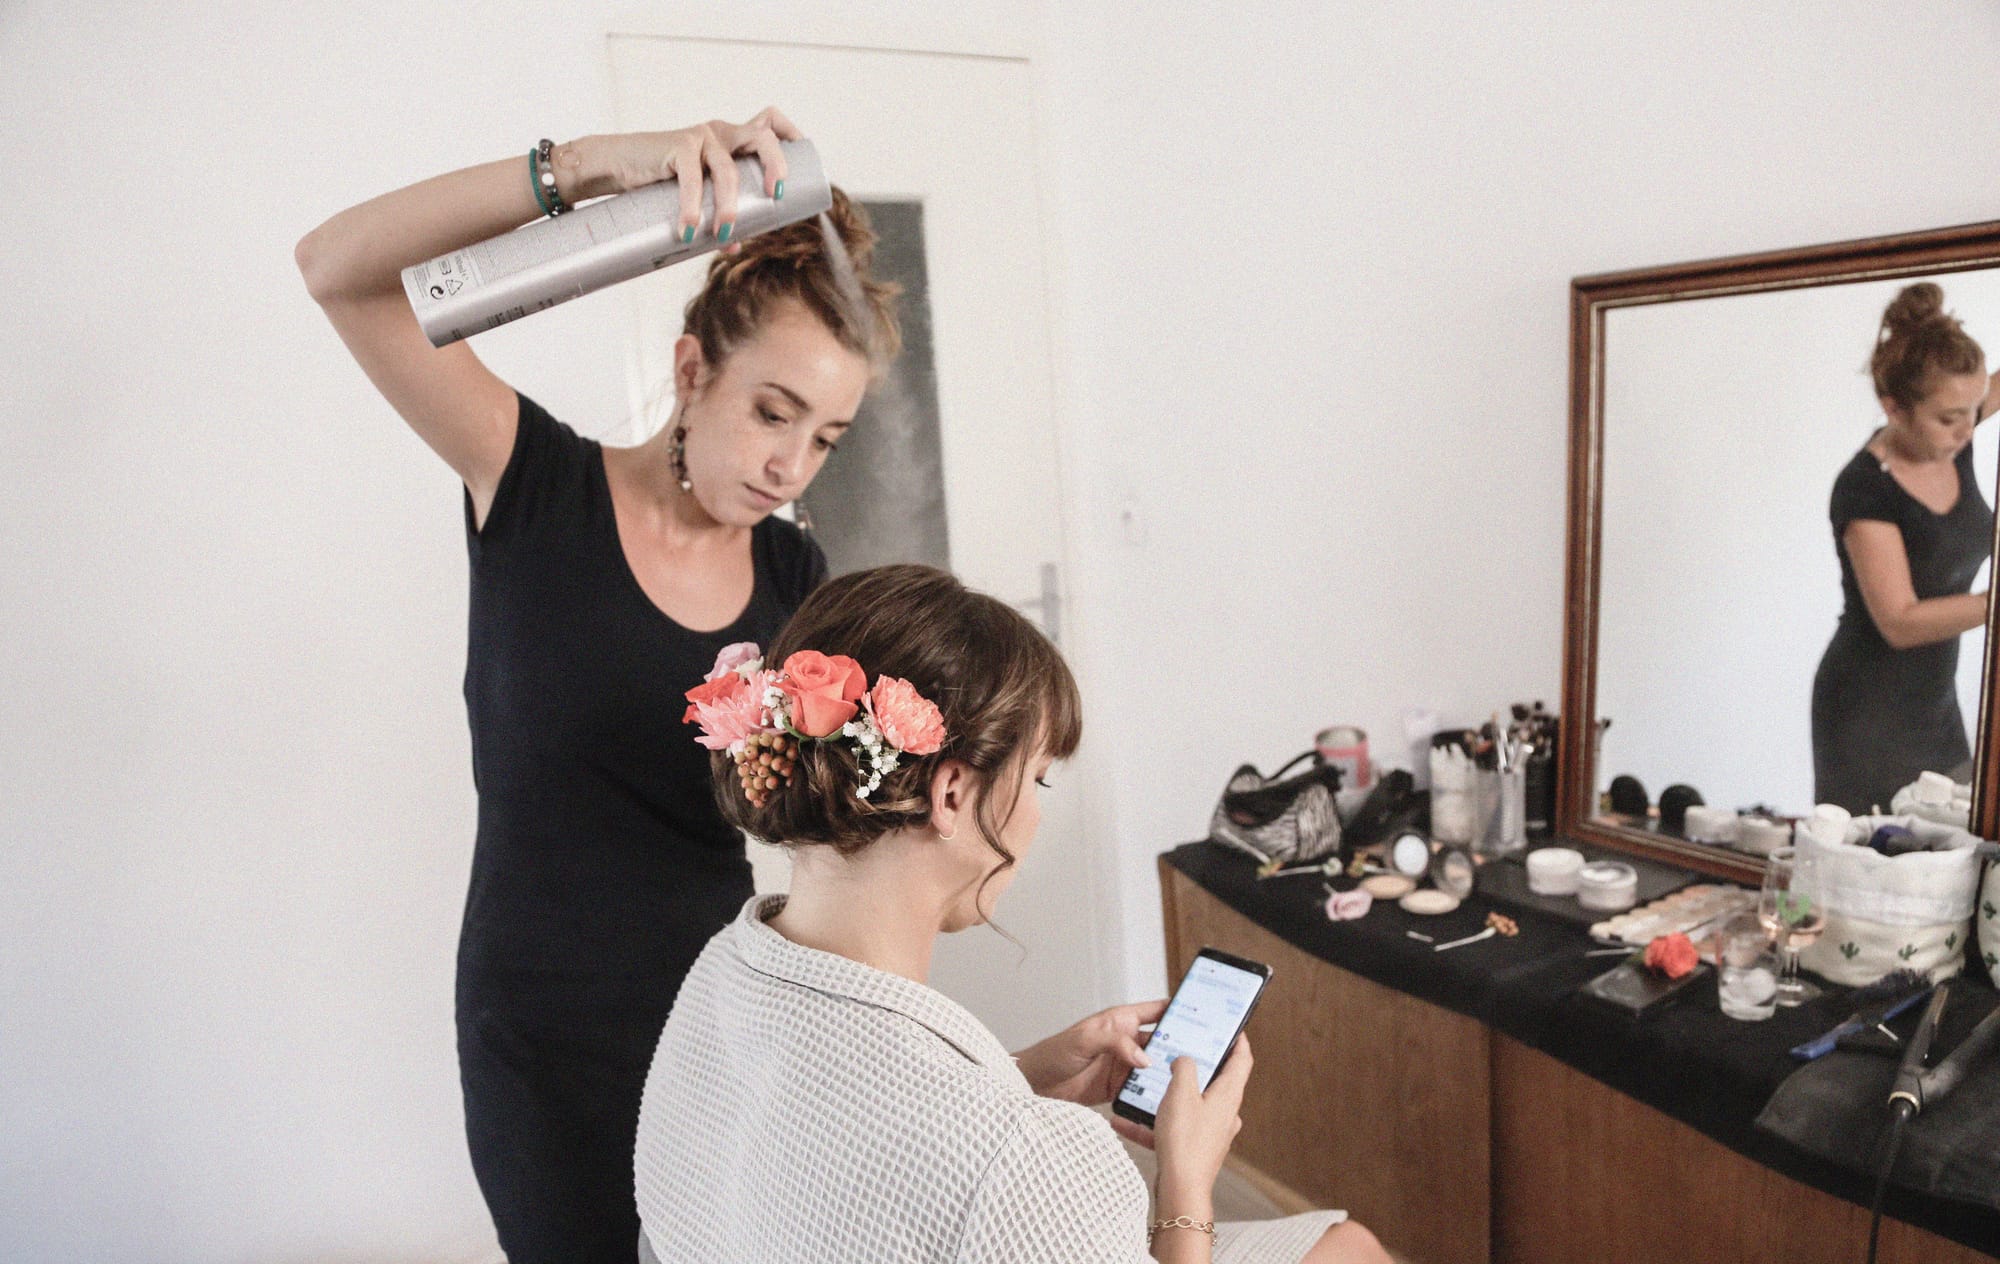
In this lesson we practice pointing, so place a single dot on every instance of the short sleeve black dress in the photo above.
(602, 865)
(1881, 715)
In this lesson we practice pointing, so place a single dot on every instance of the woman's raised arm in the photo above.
(353, 266)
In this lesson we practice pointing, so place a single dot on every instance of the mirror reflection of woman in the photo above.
(1912, 530)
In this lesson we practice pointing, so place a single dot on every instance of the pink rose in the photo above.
(728, 708)
(733, 657)
(910, 721)
(1345, 906)
(825, 691)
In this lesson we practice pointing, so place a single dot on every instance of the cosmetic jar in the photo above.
(1553, 870)
(1711, 825)
(1762, 834)
(1607, 886)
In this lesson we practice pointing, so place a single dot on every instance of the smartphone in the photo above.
(1209, 1010)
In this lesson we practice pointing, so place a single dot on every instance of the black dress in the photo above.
(1881, 715)
(602, 865)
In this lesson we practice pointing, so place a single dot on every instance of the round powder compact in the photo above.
(1388, 886)
(1553, 870)
(1607, 886)
(1428, 902)
(1454, 872)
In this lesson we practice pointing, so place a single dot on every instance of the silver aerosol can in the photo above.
(613, 239)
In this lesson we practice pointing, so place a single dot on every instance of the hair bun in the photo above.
(798, 263)
(1913, 307)
(1917, 341)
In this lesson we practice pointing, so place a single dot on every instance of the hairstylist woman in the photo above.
(1911, 530)
(603, 583)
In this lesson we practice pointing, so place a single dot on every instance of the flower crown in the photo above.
(760, 716)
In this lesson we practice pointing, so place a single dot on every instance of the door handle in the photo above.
(1049, 604)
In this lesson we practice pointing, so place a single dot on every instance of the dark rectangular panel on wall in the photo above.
(880, 498)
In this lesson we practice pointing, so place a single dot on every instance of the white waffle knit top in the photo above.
(805, 1107)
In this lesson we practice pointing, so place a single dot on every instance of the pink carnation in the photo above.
(909, 720)
(733, 657)
(728, 708)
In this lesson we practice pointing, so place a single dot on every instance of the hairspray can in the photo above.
(551, 261)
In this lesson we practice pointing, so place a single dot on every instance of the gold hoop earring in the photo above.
(945, 838)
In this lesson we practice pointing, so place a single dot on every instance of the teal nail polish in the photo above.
(687, 235)
(722, 234)
(778, 192)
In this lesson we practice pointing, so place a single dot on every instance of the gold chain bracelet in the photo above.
(1179, 1222)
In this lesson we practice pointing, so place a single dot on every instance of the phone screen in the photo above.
(1201, 1022)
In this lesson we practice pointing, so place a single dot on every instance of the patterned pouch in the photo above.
(1280, 821)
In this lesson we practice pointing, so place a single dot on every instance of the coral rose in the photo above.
(825, 691)
(728, 709)
(910, 721)
(1672, 955)
(733, 657)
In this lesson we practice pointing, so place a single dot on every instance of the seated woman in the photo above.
(811, 1098)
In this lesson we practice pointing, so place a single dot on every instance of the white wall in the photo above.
(1314, 271)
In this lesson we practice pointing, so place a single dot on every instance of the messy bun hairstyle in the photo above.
(1918, 339)
(1004, 691)
(822, 263)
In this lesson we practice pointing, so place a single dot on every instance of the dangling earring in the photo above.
(677, 453)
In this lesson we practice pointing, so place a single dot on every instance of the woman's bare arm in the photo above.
(1882, 568)
(353, 267)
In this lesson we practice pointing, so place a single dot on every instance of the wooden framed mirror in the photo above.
(1712, 406)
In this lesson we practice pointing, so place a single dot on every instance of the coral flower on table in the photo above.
(1672, 955)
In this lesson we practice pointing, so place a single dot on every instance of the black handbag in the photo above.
(1279, 820)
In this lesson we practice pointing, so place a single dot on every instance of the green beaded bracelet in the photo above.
(535, 179)
(545, 155)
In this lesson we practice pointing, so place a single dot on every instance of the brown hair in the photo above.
(800, 263)
(1003, 689)
(1918, 340)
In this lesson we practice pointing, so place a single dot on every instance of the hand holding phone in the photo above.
(1208, 1012)
(1194, 1129)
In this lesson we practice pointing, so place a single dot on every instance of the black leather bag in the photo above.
(1280, 820)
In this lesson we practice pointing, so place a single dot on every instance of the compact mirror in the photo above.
(1410, 854)
(1453, 871)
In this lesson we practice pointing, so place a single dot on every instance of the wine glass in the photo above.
(1790, 907)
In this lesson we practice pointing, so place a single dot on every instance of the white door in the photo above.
(951, 131)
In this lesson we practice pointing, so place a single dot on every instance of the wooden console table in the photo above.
(1457, 1144)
